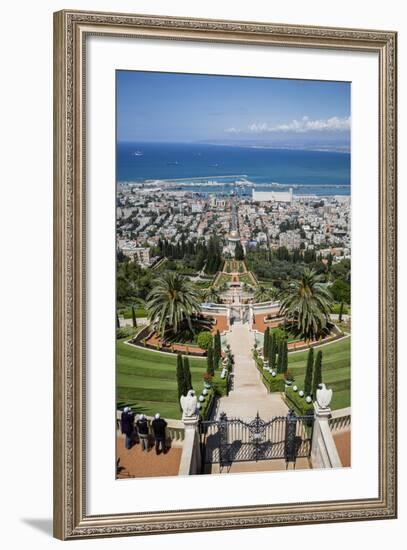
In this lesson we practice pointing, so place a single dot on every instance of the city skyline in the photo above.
(230, 110)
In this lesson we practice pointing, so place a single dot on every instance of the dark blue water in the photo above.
(314, 171)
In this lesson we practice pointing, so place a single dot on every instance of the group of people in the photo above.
(128, 426)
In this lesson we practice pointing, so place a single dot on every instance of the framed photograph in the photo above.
(225, 274)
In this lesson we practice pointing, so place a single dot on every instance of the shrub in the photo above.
(299, 404)
(279, 335)
(220, 385)
(274, 383)
(207, 377)
(206, 405)
(204, 339)
(288, 375)
(124, 332)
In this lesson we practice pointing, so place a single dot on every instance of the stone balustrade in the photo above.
(340, 419)
(324, 453)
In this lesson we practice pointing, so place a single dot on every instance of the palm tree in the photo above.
(172, 301)
(264, 294)
(307, 303)
(211, 294)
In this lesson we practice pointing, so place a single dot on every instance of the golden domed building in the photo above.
(233, 239)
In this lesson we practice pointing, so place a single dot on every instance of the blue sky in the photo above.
(171, 107)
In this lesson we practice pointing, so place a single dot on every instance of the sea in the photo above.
(224, 169)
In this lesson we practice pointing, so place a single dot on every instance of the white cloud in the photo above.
(233, 131)
(305, 124)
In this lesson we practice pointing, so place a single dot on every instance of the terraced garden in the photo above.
(146, 380)
(335, 370)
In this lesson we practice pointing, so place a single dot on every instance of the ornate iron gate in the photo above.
(229, 440)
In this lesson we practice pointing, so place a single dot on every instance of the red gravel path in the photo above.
(136, 463)
(342, 442)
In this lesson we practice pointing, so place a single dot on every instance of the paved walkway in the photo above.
(248, 394)
(136, 463)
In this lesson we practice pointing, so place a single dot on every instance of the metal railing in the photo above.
(236, 440)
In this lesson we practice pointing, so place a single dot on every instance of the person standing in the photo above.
(159, 425)
(127, 426)
(142, 427)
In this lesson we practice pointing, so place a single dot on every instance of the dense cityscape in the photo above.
(268, 221)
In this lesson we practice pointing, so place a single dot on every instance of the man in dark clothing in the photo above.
(158, 425)
(142, 427)
(127, 426)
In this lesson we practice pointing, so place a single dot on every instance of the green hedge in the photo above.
(220, 388)
(220, 385)
(206, 406)
(125, 332)
(272, 383)
(301, 407)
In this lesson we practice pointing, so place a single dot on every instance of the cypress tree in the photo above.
(317, 379)
(210, 369)
(217, 350)
(308, 372)
(285, 357)
(280, 357)
(133, 316)
(180, 377)
(187, 375)
(266, 343)
(272, 351)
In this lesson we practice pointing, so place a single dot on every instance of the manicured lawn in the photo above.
(335, 370)
(140, 312)
(146, 380)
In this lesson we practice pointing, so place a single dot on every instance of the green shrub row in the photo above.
(299, 404)
(272, 383)
(125, 332)
(220, 385)
(207, 404)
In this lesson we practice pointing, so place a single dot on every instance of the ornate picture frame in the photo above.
(71, 28)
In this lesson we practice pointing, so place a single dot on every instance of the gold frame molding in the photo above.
(70, 31)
